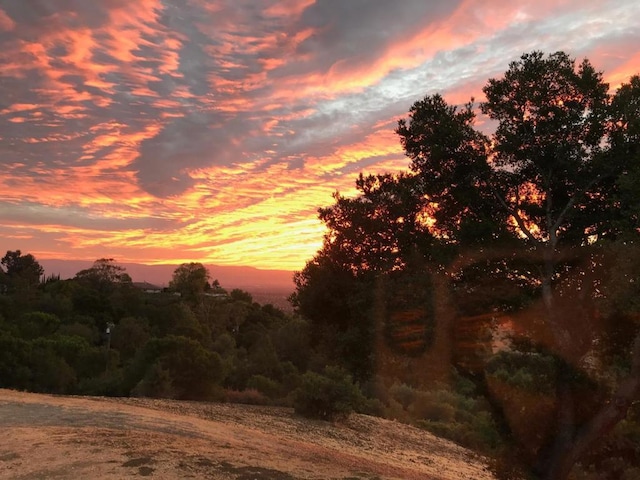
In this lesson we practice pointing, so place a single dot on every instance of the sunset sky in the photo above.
(168, 131)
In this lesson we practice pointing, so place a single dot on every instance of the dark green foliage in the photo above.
(182, 363)
(478, 431)
(461, 416)
(37, 324)
(265, 385)
(403, 394)
(241, 296)
(21, 271)
(291, 342)
(536, 226)
(130, 335)
(339, 306)
(264, 360)
(381, 230)
(108, 383)
(531, 371)
(157, 382)
(15, 367)
(190, 346)
(451, 156)
(104, 276)
(50, 371)
(328, 396)
(190, 280)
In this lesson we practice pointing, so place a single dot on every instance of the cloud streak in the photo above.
(159, 131)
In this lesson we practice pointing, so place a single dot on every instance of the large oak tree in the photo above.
(537, 220)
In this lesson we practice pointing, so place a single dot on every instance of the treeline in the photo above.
(98, 334)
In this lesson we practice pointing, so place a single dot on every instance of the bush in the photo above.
(328, 396)
(248, 397)
(532, 371)
(265, 385)
(449, 414)
(177, 367)
(157, 383)
(480, 434)
(373, 407)
(429, 408)
(109, 384)
(403, 394)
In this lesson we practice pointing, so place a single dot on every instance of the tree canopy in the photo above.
(98, 334)
(531, 223)
(22, 271)
(190, 279)
(104, 274)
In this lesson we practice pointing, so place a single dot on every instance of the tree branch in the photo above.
(516, 217)
(572, 201)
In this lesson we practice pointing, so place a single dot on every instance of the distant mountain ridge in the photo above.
(247, 278)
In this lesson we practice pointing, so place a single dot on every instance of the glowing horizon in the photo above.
(163, 132)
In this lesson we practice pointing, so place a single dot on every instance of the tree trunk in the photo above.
(568, 450)
(553, 456)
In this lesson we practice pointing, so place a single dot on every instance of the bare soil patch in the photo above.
(56, 437)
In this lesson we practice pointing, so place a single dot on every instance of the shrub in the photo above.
(480, 434)
(248, 397)
(51, 373)
(373, 407)
(157, 383)
(464, 420)
(328, 396)
(109, 384)
(264, 385)
(429, 408)
(532, 371)
(178, 367)
(403, 394)
(395, 411)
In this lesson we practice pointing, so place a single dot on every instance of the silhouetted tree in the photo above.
(105, 292)
(104, 275)
(190, 279)
(531, 222)
(22, 271)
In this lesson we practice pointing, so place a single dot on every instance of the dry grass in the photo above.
(101, 438)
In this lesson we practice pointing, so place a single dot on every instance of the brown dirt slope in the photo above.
(54, 437)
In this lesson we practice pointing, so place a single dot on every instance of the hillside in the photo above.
(103, 438)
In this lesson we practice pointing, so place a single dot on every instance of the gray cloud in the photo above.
(224, 47)
(98, 94)
(78, 217)
(32, 13)
(196, 140)
(357, 32)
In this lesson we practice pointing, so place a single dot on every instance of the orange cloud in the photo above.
(628, 67)
(256, 123)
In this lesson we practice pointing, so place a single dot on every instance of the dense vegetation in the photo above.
(99, 334)
(511, 257)
(490, 294)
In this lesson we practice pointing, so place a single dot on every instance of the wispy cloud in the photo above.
(164, 130)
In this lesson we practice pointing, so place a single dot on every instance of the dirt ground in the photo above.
(54, 437)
